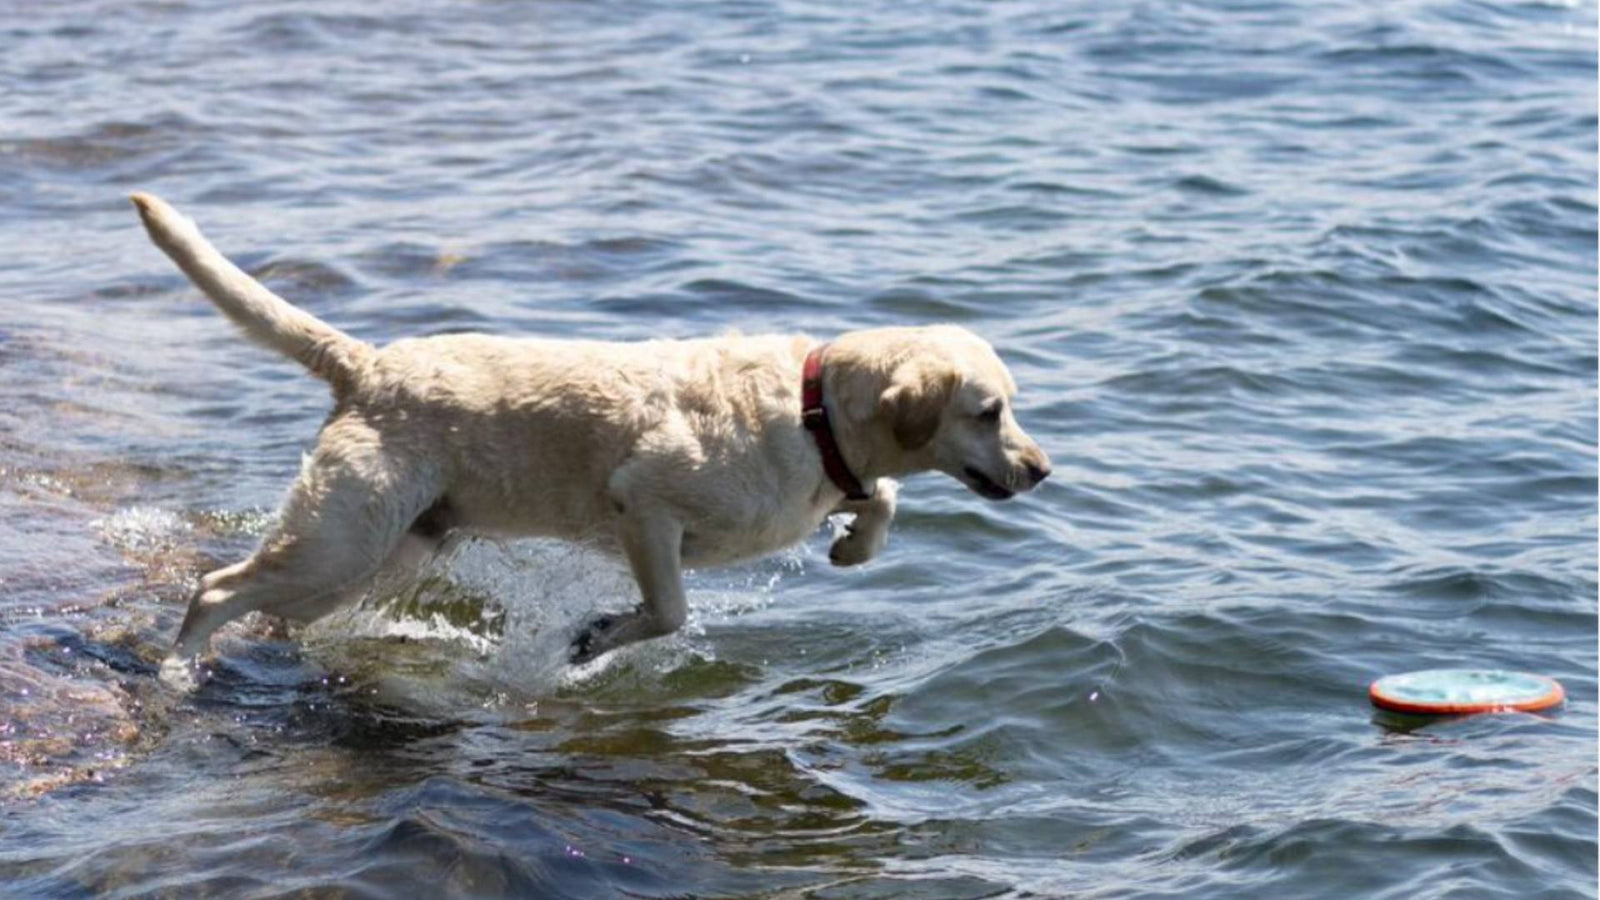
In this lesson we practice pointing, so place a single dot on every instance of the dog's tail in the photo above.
(267, 318)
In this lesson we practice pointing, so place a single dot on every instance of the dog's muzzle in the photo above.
(984, 486)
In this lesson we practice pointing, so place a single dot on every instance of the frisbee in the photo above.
(1459, 692)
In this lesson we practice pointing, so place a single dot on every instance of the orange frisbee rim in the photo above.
(1384, 696)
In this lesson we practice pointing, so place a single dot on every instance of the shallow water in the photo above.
(1301, 298)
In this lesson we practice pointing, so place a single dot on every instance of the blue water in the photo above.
(1301, 298)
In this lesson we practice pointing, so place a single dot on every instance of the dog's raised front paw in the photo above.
(857, 545)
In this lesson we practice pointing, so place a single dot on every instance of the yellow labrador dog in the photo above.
(675, 453)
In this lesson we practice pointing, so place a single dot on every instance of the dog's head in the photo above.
(941, 399)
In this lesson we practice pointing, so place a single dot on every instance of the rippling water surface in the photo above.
(1301, 297)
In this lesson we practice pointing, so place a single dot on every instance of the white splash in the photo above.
(142, 530)
(492, 623)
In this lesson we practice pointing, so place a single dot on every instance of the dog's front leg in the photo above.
(653, 543)
(866, 536)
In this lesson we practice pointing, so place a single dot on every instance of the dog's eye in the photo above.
(990, 414)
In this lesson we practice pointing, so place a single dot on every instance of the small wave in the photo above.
(723, 290)
(1205, 185)
(1423, 61)
(309, 281)
(107, 145)
(915, 304)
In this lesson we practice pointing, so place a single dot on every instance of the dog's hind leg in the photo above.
(415, 550)
(346, 516)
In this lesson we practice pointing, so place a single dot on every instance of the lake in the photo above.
(1301, 299)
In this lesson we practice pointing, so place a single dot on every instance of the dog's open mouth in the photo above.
(985, 486)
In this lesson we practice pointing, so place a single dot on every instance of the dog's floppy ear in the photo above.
(914, 402)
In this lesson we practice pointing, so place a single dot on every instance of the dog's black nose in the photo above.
(1038, 471)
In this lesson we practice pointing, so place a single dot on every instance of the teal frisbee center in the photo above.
(1460, 690)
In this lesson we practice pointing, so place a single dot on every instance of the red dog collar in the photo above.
(815, 418)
